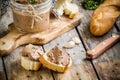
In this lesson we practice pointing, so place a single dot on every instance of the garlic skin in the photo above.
(70, 44)
(76, 40)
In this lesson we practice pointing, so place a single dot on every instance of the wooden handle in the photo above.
(103, 46)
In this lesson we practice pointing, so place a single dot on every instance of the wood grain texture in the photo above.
(5, 20)
(118, 23)
(2, 72)
(110, 69)
(57, 27)
(16, 72)
(80, 69)
(91, 41)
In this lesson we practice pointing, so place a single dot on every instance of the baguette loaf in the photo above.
(104, 17)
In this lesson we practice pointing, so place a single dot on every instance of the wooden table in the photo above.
(105, 67)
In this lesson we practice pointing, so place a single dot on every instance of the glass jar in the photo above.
(30, 18)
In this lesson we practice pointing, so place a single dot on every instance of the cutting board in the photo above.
(57, 27)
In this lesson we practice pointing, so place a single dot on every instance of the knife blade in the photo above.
(103, 46)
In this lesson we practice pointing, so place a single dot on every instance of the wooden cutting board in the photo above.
(57, 27)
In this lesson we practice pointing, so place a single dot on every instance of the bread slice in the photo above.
(28, 64)
(71, 9)
(65, 6)
(44, 59)
(30, 57)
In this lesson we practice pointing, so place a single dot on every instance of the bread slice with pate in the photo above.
(30, 57)
(56, 59)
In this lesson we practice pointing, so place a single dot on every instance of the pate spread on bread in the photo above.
(56, 59)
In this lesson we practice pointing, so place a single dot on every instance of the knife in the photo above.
(103, 46)
(54, 9)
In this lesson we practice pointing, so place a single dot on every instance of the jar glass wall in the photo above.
(30, 18)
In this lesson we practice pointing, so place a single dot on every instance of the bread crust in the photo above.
(28, 64)
(56, 67)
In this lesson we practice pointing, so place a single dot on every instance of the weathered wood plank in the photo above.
(5, 21)
(3, 30)
(118, 23)
(15, 71)
(107, 65)
(2, 72)
(110, 69)
(104, 63)
(80, 69)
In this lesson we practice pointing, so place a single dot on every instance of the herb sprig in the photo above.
(91, 4)
(31, 1)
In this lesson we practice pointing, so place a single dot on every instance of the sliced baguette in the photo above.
(53, 66)
(29, 64)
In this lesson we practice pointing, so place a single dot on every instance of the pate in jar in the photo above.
(30, 18)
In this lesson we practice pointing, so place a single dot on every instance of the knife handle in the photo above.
(103, 46)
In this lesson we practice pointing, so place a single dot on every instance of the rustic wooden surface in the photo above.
(77, 53)
(2, 72)
(105, 67)
(16, 72)
(118, 23)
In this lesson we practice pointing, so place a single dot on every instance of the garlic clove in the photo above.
(70, 44)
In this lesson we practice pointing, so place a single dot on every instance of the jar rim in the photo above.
(36, 6)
